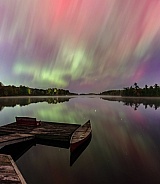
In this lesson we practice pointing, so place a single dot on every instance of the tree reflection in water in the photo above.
(136, 102)
(23, 101)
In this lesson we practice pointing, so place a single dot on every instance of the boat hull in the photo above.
(74, 155)
(80, 136)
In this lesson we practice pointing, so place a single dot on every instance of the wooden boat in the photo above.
(27, 121)
(74, 155)
(81, 135)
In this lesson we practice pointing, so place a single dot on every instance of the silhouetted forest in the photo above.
(26, 91)
(112, 92)
(135, 91)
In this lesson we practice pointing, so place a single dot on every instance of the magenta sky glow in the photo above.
(80, 45)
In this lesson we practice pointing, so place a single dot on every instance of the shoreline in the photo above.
(73, 96)
(35, 96)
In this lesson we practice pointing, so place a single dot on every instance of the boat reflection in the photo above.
(18, 149)
(77, 152)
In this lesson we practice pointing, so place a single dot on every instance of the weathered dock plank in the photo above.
(14, 138)
(47, 131)
(9, 172)
(54, 131)
(14, 128)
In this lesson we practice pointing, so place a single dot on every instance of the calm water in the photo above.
(125, 145)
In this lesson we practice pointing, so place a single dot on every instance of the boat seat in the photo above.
(27, 121)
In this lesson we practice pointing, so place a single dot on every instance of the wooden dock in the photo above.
(14, 138)
(9, 172)
(14, 134)
(47, 131)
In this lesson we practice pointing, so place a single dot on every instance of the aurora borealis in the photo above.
(80, 45)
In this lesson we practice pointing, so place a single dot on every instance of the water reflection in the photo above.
(18, 149)
(136, 102)
(23, 101)
(125, 146)
(76, 153)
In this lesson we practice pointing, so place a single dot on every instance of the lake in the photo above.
(124, 148)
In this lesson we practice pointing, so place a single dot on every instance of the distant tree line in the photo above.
(138, 92)
(112, 93)
(26, 91)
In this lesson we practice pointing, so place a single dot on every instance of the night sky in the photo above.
(80, 45)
